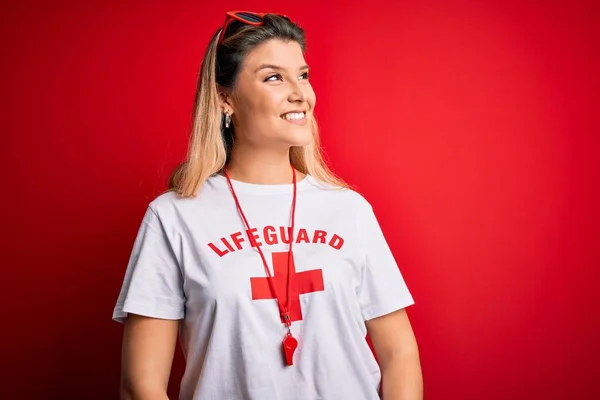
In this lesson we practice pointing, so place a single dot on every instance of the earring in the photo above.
(227, 119)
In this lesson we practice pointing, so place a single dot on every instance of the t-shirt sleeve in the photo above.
(153, 283)
(382, 289)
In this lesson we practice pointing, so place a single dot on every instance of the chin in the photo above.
(293, 134)
(299, 138)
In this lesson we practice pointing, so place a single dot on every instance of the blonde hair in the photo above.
(207, 152)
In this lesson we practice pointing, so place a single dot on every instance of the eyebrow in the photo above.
(276, 67)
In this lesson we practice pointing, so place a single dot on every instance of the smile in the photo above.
(294, 116)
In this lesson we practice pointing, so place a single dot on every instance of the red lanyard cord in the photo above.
(285, 311)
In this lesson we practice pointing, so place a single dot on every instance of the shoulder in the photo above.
(347, 197)
(169, 204)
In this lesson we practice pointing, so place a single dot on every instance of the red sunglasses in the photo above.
(247, 17)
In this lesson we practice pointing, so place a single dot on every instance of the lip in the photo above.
(294, 111)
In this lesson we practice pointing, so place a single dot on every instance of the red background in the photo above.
(472, 127)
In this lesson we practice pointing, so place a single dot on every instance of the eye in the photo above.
(305, 75)
(269, 78)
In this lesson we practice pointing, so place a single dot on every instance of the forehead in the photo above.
(276, 52)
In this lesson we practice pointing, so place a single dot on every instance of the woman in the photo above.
(269, 267)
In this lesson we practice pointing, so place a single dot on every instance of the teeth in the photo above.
(290, 116)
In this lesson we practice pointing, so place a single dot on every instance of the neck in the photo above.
(261, 166)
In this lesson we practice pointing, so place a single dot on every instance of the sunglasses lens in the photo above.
(248, 17)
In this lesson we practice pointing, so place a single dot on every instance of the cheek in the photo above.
(273, 100)
(311, 97)
(262, 103)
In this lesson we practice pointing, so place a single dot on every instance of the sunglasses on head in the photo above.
(247, 17)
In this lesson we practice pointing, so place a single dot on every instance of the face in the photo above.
(273, 101)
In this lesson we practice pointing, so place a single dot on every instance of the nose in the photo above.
(297, 93)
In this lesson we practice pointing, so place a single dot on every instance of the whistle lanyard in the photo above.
(289, 342)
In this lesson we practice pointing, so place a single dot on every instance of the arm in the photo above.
(147, 356)
(398, 355)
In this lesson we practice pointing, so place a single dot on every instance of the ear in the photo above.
(225, 100)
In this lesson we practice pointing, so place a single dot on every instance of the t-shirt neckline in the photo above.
(257, 188)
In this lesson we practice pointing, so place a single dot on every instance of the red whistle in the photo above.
(289, 346)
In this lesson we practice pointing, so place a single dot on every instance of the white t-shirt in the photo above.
(193, 260)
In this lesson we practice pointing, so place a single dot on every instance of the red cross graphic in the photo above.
(301, 282)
